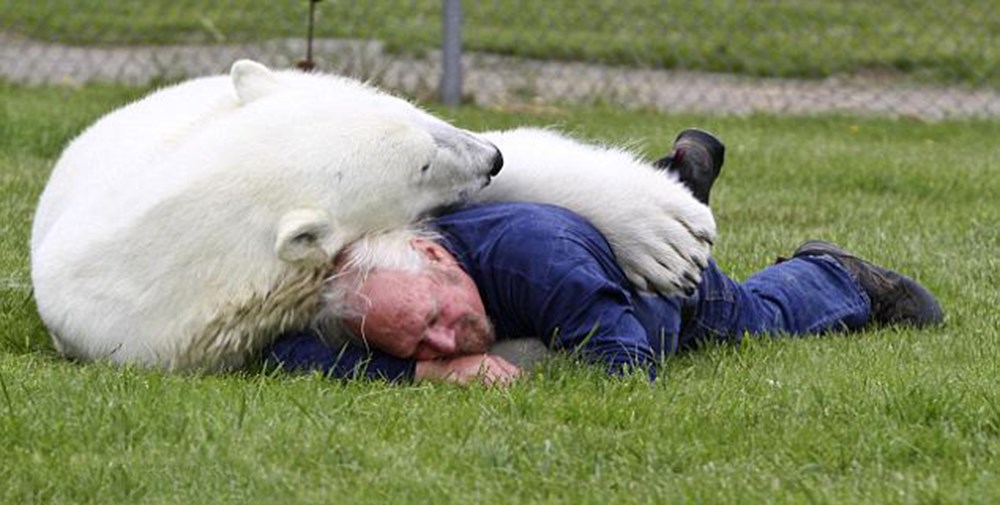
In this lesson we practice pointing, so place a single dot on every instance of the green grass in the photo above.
(936, 41)
(889, 416)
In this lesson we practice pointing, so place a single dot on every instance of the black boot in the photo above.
(896, 298)
(697, 160)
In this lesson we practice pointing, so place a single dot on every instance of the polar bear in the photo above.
(187, 229)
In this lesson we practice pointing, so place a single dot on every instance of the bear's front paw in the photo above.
(665, 251)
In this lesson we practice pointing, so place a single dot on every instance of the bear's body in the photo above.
(187, 229)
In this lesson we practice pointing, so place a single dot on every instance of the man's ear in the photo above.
(303, 235)
(431, 250)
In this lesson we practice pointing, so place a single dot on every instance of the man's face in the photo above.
(433, 314)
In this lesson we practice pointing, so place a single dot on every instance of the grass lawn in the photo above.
(888, 416)
(937, 41)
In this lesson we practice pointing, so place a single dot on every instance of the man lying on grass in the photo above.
(428, 303)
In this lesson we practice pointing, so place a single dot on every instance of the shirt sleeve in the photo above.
(305, 351)
(589, 315)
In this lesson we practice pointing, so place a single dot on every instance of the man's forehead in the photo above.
(395, 288)
(396, 302)
(384, 278)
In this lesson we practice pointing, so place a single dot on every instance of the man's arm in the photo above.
(305, 351)
(595, 319)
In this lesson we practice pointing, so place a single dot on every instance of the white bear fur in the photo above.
(186, 230)
(661, 235)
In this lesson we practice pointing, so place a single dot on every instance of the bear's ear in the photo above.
(252, 80)
(303, 236)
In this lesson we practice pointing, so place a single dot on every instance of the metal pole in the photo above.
(451, 53)
(308, 64)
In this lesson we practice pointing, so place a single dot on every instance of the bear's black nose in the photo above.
(497, 164)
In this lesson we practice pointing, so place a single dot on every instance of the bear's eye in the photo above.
(425, 168)
(306, 237)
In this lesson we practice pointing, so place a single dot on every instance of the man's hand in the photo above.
(485, 368)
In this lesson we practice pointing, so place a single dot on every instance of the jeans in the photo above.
(801, 296)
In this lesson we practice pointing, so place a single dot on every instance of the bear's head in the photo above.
(187, 229)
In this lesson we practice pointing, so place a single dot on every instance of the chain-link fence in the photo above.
(923, 58)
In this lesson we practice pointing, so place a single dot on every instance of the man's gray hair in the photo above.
(388, 250)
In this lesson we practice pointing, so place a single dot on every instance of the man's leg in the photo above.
(797, 297)
(895, 298)
(821, 289)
